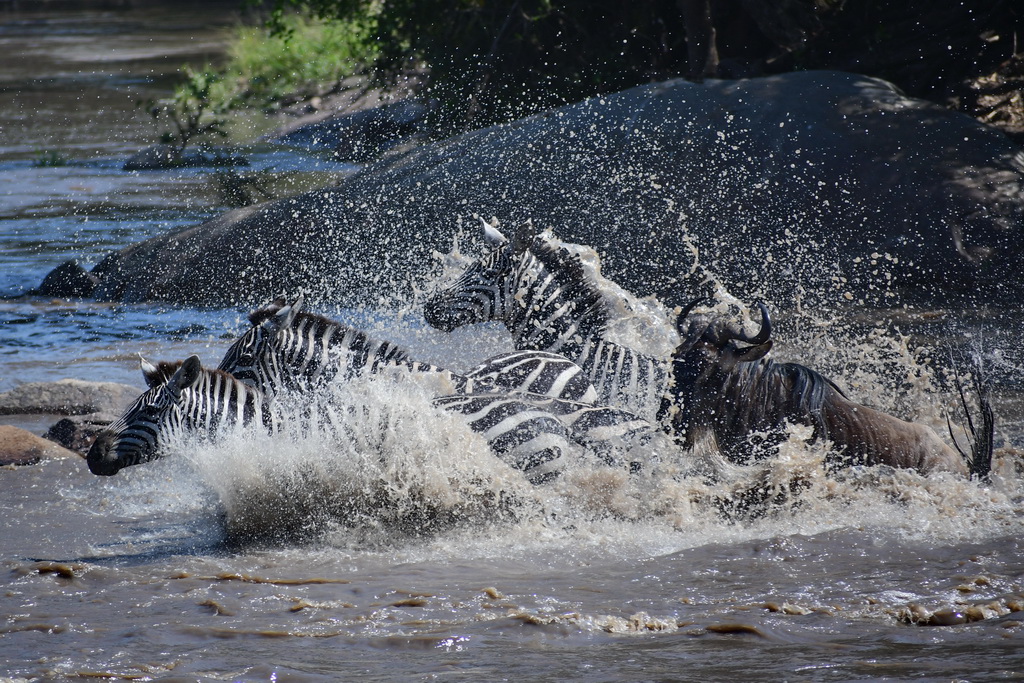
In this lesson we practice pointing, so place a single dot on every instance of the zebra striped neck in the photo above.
(548, 309)
(218, 399)
(552, 305)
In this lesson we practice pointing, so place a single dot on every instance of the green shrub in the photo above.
(305, 57)
(49, 158)
(195, 110)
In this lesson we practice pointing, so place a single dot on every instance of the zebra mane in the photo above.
(569, 272)
(165, 369)
(401, 354)
(261, 315)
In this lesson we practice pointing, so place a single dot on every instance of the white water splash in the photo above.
(391, 472)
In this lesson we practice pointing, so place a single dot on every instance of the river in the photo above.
(420, 556)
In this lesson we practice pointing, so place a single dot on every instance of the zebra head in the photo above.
(479, 294)
(134, 438)
(252, 359)
(538, 289)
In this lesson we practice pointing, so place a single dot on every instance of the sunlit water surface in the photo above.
(405, 549)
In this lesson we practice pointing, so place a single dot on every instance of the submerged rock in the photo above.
(77, 433)
(69, 279)
(154, 157)
(361, 135)
(161, 157)
(19, 447)
(67, 397)
(808, 185)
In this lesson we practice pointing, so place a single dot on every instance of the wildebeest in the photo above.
(723, 386)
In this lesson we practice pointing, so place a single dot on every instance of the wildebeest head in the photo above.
(703, 364)
(711, 344)
(134, 438)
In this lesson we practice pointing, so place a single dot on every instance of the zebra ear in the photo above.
(187, 375)
(492, 235)
(286, 316)
(150, 373)
(524, 238)
(296, 307)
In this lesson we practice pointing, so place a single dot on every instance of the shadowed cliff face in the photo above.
(822, 186)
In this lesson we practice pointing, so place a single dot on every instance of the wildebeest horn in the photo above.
(763, 335)
(687, 308)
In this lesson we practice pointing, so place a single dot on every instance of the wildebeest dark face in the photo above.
(711, 344)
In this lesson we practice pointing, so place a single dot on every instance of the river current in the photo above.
(407, 550)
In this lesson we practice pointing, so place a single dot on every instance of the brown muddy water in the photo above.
(407, 551)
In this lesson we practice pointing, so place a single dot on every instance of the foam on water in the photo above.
(389, 474)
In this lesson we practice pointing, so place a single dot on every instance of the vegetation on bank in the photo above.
(300, 58)
(491, 60)
(486, 61)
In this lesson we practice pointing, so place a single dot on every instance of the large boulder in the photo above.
(67, 397)
(807, 185)
(19, 447)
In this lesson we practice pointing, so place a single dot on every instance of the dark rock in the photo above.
(361, 135)
(77, 433)
(161, 157)
(68, 280)
(67, 397)
(18, 447)
(154, 158)
(809, 185)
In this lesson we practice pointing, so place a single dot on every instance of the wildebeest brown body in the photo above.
(723, 386)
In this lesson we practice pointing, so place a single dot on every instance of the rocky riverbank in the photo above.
(809, 185)
(75, 411)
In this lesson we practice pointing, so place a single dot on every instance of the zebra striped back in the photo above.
(535, 372)
(543, 296)
(181, 397)
(536, 434)
(289, 349)
(533, 407)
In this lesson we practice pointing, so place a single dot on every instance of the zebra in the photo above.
(545, 299)
(506, 398)
(525, 432)
(181, 397)
(316, 349)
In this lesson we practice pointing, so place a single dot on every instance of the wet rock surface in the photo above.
(67, 397)
(808, 184)
(69, 279)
